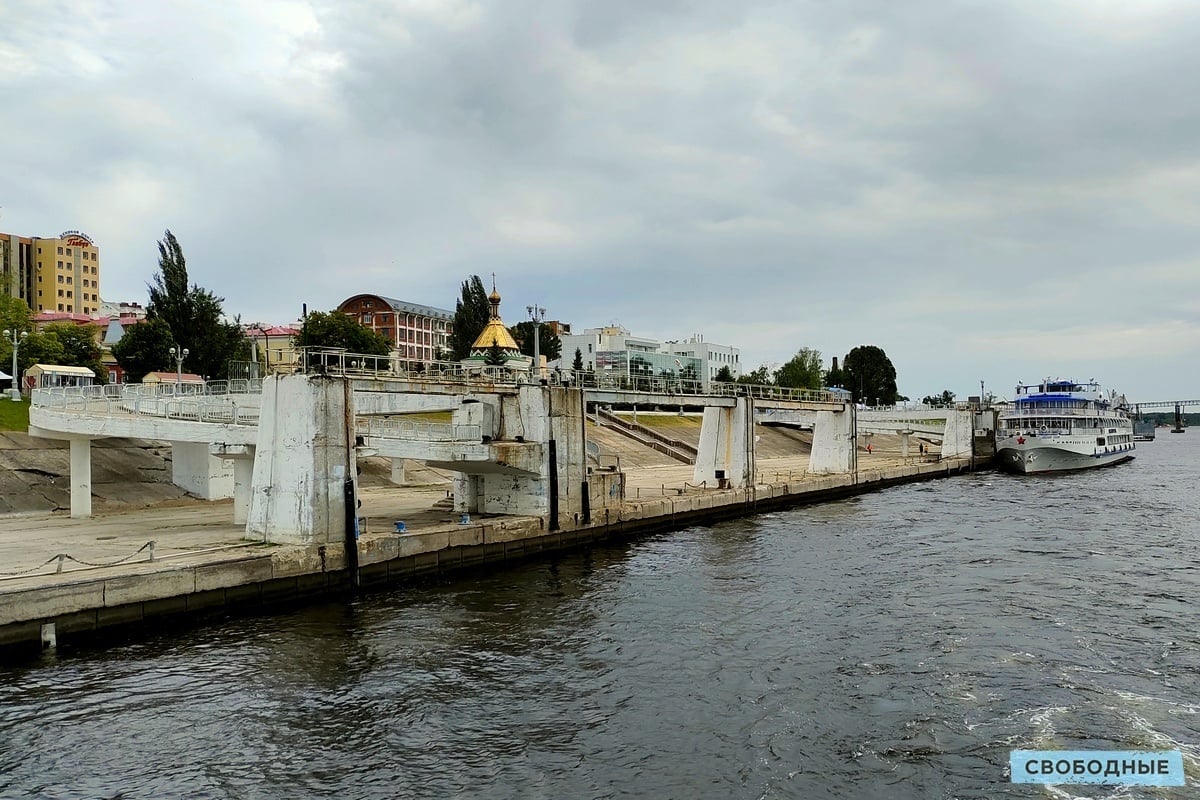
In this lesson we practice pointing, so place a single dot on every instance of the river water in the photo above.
(895, 645)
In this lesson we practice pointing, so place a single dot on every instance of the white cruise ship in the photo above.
(1056, 426)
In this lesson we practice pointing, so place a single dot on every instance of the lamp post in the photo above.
(537, 314)
(179, 356)
(15, 340)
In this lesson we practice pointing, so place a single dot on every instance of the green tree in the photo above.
(194, 316)
(38, 348)
(495, 356)
(577, 364)
(144, 348)
(79, 348)
(760, 376)
(471, 316)
(803, 371)
(335, 329)
(550, 346)
(14, 316)
(835, 377)
(724, 374)
(944, 399)
(870, 376)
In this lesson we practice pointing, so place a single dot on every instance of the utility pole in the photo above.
(537, 314)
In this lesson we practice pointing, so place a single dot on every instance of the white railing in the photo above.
(378, 428)
(357, 365)
(148, 401)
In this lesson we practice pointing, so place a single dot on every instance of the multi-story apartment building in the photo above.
(59, 274)
(417, 332)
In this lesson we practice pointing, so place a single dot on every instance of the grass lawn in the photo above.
(14, 416)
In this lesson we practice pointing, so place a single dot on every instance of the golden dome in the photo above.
(494, 297)
(495, 334)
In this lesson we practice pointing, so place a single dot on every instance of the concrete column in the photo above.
(196, 470)
(957, 439)
(727, 443)
(466, 493)
(243, 484)
(833, 442)
(904, 443)
(305, 454)
(398, 471)
(81, 478)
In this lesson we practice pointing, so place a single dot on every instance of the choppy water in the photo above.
(896, 645)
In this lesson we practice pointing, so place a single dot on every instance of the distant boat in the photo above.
(1060, 426)
(1143, 430)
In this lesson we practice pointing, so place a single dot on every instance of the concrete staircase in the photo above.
(675, 448)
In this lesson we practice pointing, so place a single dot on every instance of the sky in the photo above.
(989, 191)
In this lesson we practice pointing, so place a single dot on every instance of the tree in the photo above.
(803, 371)
(870, 376)
(14, 316)
(944, 399)
(79, 348)
(335, 329)
(549, 345)
(193, 315)
(144, 348)
(577, 364)
(38, 348)
(760, 376)
(471, 316)
(835, 377)
(724, 374)
(495, 356)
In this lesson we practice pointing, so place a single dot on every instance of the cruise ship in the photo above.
(1058, 426)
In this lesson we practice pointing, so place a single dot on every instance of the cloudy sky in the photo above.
(988, 190)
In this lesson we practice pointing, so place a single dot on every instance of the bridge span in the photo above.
(283, 448)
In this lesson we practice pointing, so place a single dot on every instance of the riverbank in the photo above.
(200, 565)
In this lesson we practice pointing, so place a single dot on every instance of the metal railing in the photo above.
(382, 428)
(358, 365)
(132, 400)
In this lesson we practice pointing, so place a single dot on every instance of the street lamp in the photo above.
(179, 356)
(15, 341)
(537, 314)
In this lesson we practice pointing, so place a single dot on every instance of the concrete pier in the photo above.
(205, 565)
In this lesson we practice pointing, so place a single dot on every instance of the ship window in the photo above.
(1100, 440)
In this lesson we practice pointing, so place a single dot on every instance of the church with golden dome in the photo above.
(495, 346)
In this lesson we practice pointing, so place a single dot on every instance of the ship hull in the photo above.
(1039, 459)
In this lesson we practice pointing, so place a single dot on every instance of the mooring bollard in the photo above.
(400, 526)
(151, 551)
(62, 557)
(465, 519)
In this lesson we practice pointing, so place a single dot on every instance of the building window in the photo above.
(60, 264)
(95, 257)
(68, 279)
(39, 278)
(39, 292)
(60, 306)
(68, 293)
(60, 292)
(59, 252)
(68, 251)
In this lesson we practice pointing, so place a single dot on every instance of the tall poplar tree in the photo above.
(471, 316)
(194, 316)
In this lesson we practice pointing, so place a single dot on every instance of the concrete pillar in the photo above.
(957, 439)
(305, 455)
(727, 444)
(243, 484)
(398, 471)
(466, 493)
(904, 443)
(833, 442)
(81, 478)
(242, 458)
(196, 470)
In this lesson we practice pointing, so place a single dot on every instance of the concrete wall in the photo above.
(303, 458)
(833, 442)
(194, 469)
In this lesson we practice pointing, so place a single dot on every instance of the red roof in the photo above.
(170, 377)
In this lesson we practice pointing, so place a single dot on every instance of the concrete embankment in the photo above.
(225, 577)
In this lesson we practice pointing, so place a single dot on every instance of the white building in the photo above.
(614, 349)
(712, 356)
